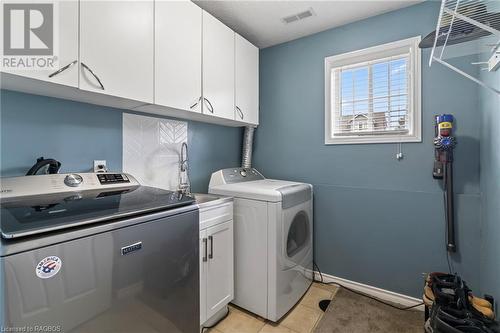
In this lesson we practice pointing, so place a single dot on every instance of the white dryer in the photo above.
(273, 226)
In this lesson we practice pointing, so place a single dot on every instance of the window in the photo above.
(373, 95)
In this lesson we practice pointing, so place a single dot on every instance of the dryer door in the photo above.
(297, 241)
(292, 274)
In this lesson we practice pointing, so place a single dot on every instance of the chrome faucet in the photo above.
(184, 157)
(184, 185)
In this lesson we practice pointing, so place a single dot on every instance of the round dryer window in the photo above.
(298, 234)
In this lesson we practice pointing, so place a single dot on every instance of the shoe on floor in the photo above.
(448, 320)
(480, 301)
(446, 289)
(428, 302)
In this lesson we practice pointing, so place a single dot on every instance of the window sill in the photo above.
(372, 139)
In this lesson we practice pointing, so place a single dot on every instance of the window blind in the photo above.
(372, 97)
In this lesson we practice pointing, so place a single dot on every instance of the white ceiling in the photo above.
(261, 21)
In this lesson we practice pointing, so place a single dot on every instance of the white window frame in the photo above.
(370, 54)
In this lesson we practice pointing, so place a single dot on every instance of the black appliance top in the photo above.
(32, 215)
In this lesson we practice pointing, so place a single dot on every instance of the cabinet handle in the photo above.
(204, 240)
(62, 69)
(209, 106)
(211, 254)
(195, 103)
(240, 112)
(93, 74)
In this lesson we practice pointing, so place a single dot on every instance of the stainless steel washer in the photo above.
(104, 255)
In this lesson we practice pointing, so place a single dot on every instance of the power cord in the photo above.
(362, 294)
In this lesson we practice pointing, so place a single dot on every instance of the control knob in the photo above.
(73, 180)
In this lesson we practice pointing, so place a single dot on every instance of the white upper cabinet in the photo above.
(116, 48)
(246, 81)
(178, 55)
(66, 50)
(218, 68)
(164, 57)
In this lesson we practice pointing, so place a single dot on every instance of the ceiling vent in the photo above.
(297, 17)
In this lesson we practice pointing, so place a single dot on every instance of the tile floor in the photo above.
(303, 318)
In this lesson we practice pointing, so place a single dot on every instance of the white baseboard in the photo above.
(382, 294)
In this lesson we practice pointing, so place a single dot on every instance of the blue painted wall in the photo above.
(490, 187)
(78, 133)
(378, 221)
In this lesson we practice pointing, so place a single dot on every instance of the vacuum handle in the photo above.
(450, 220)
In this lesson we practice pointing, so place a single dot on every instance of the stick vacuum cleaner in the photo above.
(444, 143)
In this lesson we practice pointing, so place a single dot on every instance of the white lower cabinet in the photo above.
(216, 260)
(220, 267)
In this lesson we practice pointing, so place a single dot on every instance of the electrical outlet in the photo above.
(100, 166)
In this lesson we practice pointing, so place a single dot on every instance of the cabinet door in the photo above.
(116, 48)
(203, 276)
(247, 81)
(66, 46)
(220, 268)
(218, 68)
(178, 55)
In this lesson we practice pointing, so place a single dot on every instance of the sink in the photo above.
(203, 199)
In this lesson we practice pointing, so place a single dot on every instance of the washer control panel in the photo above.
(112, 178)
(62, 183)
(238, 175)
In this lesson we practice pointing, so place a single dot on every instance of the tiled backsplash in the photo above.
(151, 149)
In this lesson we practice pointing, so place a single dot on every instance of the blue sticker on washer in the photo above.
(48, 267)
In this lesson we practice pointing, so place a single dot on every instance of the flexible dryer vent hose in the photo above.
(246, 159)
